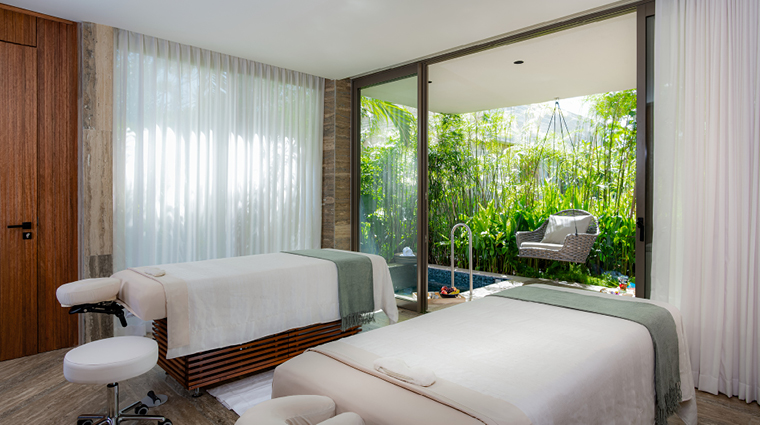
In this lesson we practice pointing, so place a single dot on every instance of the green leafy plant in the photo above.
(500, 178)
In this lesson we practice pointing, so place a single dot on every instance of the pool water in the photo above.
(438, 278)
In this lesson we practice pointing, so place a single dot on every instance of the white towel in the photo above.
(398, 369)
(153, 271)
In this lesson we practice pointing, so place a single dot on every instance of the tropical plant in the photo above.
(499, 178)
(388, 190)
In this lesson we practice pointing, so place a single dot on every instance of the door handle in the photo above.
(25, 225)
(642, 228)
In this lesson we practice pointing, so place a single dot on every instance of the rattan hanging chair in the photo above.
(576, 248)
(577, 245)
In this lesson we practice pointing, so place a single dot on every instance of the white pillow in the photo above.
(560, 226)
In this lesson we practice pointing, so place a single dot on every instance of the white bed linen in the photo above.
(235, 300)
(557, 365)
(142, 296)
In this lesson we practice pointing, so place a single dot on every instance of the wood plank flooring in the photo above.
(34, 391)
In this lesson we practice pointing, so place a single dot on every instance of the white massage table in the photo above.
(145, 297)
(497, 361)
(276, 305)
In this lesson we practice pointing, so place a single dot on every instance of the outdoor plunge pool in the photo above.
(404, 278)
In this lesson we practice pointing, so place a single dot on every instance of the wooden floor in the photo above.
(33, 390)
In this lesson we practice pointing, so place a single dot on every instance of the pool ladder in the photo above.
(469, 232)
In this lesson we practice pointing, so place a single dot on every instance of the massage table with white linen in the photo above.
(496, 361)
(222, 318)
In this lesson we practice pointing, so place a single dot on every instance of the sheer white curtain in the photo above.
(706, 247)
(214, 156)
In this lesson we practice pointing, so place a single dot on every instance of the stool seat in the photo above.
(110, 360)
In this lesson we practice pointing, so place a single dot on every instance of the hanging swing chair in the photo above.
(567, 235)
(574, 248)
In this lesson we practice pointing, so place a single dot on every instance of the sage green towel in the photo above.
(355, 285)
(658, 321)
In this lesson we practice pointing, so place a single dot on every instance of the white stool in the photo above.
(298, 410)
(108, 361)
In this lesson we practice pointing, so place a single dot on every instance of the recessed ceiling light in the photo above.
(519, 62)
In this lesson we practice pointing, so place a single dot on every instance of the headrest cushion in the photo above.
(295, 409)
(88, 291)
(345, 418)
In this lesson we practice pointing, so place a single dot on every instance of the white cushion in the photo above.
(88, 291)
(292, 410)
(348, 418)
(541, 245)
(560, 226)
(110, 360)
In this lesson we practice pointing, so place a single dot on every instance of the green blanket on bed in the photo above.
(355, 285)
(658, 321)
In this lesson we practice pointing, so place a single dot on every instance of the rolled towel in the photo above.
(153, 271)
(398, 369)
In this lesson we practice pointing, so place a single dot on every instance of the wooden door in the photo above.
(18, 200)
(57, 84)
(38, 181)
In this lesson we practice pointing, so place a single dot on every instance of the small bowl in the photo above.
(449, 295)
(405, 259)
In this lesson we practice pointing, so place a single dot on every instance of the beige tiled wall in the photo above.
(336, 166)
(96, 177)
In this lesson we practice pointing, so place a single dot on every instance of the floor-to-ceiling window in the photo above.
(518, 130)
(389, 179)
(388, 202)
(533, 129)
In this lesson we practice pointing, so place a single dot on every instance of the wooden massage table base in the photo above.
(210, 367)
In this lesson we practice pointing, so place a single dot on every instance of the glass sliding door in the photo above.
(508, 133)
(515, 139)
(644, 157)
(389, 180)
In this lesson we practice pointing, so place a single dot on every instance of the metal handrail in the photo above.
(469, 232)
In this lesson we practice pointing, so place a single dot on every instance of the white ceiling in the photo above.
(330, 38)
(594, 58)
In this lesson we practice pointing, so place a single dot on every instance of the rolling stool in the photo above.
(110, 360)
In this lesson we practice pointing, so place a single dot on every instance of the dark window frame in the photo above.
(643, 8)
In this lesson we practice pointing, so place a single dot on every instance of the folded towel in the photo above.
(398, 369)
(153, 271)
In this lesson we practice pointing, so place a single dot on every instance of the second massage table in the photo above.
(242, 314)
(498, 361)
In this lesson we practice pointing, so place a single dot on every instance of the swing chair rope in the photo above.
(558, 110)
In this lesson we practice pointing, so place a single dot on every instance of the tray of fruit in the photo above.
(449, 292)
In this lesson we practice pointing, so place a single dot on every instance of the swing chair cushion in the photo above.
(542, 245)
(558, 227)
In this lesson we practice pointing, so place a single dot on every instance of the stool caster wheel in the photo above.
(141, 409)
(84, 422)
(154, 400)
(166, 422)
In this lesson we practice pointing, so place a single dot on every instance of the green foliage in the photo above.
(500, 179)
(388, 193)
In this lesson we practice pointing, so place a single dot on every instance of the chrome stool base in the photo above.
(116, 416)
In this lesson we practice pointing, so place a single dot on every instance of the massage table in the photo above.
(223, 318)
(497, 361)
